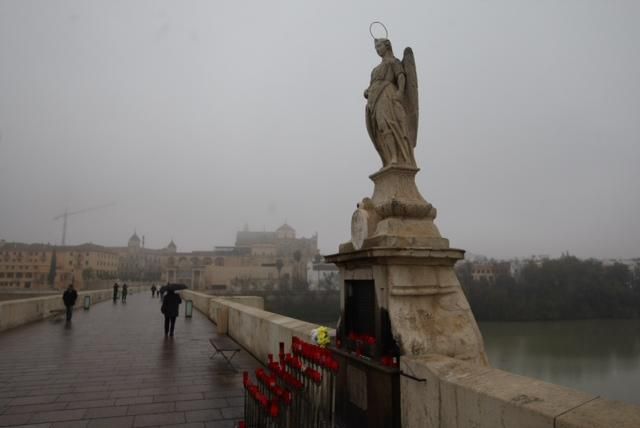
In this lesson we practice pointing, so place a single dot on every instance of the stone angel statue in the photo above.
(392, 106)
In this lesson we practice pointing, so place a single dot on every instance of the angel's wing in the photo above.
(410, 100)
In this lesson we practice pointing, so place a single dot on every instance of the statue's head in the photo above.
(382, 46)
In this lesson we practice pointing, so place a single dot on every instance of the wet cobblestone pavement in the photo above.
(113, 367)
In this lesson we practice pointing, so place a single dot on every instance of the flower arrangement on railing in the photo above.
(320, 336)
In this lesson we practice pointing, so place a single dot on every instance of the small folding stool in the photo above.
(228, 351)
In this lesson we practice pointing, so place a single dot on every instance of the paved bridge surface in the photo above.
(113, 367)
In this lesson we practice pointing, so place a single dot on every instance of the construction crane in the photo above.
(66, 214)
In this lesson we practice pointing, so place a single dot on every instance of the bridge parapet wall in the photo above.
(439, 392)
(200, 300)
(14, 313)
(448, 393)
(256, 330)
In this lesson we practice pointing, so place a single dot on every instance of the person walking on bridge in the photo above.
(115, 292)
(170, 307)
(125, 290)
(69, 298)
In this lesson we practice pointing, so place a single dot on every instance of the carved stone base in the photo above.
(396, 215)
(395, 194)
(406, 232)
(419, 289)
(395, 244)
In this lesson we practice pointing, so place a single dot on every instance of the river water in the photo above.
(597, 356)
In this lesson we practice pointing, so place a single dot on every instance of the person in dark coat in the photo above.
(153, 290)
(69, 298)
(125, 289)
(170, 306)
(115, 292)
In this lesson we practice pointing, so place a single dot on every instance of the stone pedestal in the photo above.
(396, 245)
(396, 215)
(418, 290)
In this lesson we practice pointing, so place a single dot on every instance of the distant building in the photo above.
(502, 268)
(489, 271)
(43, 266)
(283, 241)
(321, 274)
(87, 262)
(257, 261)
(136, 262)
(262, 261)
(187, 268)
(24, 265)
(483, 272)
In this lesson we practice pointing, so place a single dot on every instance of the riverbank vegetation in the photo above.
(556, 289)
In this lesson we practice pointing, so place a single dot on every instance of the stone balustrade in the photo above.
(14, 313)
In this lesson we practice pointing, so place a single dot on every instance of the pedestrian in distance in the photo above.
(153, 290)
(125, 290)
(69, 298)
(170, 307)
(115, 292)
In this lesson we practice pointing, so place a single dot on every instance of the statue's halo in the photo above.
(386, 32)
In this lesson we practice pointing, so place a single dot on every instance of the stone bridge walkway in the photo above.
(113, 367)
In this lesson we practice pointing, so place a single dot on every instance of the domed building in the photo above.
(134, 241)
(283, 240)
(285, 232)
(267, 259)
(262, 260)
(139, 263)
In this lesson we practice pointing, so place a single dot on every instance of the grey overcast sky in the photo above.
(196, 117)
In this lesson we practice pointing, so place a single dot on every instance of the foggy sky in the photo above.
(196, 117)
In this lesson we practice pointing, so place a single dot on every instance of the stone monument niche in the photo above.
(400, 294)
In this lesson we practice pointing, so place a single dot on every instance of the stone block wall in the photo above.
(260, 331)
(256, 330)
(448, 393)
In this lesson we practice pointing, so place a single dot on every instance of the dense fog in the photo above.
(198, 118)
